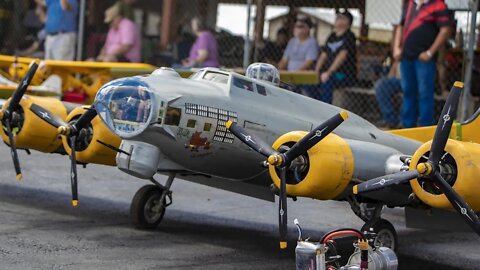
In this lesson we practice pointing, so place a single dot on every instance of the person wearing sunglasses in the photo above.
(302, 49)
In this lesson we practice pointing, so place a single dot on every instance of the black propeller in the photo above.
(282, 160)
(431, 168)
(47, 116)
(6, 115)
(71, 131)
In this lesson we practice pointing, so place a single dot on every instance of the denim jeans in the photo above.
(324, 91)
(418, 82)
(385, 90)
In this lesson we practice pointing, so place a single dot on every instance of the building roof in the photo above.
(306, 3)
(328, 16)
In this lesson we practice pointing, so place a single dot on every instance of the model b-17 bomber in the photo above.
(211, 127)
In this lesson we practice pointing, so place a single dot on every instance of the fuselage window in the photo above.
(191, 123)
(173, 116)
(216, 77)
(243, 84)
(207, 127)
(261, 90)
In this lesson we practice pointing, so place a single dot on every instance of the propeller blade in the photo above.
(385, 181)
(22, 87)
(315, 136)
(47, 116)
(85, 118)
(449, 113)
(282, 208)
(251, 140)
(458, 203)
(13, 151)
(73, 172)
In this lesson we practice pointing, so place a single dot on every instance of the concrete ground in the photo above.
(205, 228)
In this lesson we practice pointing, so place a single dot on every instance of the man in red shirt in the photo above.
(424, 28)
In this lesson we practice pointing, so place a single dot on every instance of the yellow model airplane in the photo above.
(83, 77)
(196, 128)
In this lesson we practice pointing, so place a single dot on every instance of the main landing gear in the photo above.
(150, 202)
(386, 235)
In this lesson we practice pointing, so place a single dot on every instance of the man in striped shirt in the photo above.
(424, 28)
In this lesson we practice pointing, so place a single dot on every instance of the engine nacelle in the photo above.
(462, 162)
(330, 167)
(34, 133)
(90, 150)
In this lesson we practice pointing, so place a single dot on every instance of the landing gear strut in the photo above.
(386, 235)
(149, 204)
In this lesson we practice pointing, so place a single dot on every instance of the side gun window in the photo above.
(243, 84)
(261, 89)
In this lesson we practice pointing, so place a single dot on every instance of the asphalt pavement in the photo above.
(204, 228)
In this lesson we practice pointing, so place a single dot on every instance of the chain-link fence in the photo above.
(349, 43)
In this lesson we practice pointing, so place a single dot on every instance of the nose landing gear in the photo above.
(149, 204)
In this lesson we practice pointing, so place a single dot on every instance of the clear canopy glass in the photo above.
(125, 106)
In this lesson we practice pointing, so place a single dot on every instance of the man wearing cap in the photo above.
(336, 64)
(123, 43)
(424, 28)
(61, 29)
(302, 49)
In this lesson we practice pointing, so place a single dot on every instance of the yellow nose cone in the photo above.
(63, 130)
(274, 160)
(424, 168)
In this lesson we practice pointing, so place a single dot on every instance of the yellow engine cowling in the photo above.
(330, 167)
(95, 152)
(467, 157)
(35, 133)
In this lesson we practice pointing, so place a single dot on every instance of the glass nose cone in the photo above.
(125, 106)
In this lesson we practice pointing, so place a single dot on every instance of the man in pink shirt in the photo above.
(123, 42)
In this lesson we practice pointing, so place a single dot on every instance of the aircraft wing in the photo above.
(48, 89)
(85, 67)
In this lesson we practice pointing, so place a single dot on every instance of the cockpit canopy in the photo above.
(125, 106)
(265, 72)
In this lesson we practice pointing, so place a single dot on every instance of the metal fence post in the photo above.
(246, 48)
(81, 27)
(469, 60)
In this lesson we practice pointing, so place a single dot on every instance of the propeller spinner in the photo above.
(283, 160)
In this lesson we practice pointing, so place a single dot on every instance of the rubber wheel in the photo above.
(386, 233)
(146, 211)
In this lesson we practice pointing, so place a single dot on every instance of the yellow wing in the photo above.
(467, 131)
(84, 67)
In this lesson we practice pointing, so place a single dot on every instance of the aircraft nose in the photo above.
(125, 106)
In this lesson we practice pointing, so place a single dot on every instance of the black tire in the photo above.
(386, 233)
(141, 212)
